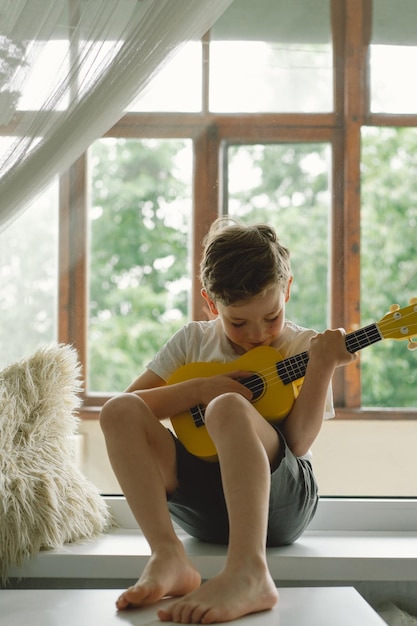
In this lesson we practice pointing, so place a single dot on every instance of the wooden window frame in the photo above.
(210, 133)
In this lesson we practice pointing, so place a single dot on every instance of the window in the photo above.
(177, 86)
(51, 59)
(29, 279)
(263, 58)
(139, 280)
(290, 113)
(287, 185)
(393, 55)
(388, 235)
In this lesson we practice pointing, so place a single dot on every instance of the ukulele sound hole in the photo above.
(256, 385)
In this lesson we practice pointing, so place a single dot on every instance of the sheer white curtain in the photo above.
(68, 68)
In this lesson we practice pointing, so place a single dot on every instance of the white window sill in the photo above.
(348, 541)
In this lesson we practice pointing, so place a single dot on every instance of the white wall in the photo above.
(350, 458)
(367, 458)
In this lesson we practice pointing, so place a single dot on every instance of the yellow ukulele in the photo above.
(275, 381)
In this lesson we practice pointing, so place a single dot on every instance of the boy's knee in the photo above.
(228, 401)
(227, 404)
(115, 409)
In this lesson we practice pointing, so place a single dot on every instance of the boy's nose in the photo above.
(256, 335)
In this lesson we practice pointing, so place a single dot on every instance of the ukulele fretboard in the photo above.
(294, 367)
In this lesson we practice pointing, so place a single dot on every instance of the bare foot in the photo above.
(167, 573)
(224, 598)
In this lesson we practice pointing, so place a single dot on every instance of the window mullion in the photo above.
(205, 202)
(73, 258)
(205, 73)
(337, 267)
(355, 66)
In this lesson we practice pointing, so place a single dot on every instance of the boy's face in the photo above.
(255, 322)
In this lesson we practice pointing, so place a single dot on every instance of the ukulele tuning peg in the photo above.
(394, 307)
(412, 345)
(413, 300)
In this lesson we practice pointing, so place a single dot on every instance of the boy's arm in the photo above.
(168, 400)
(303, 423)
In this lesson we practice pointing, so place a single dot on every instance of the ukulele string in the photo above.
(269, 380)
(268, 377)
(291, 365)
(294, 368)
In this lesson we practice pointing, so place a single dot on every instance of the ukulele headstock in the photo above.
(400, 323)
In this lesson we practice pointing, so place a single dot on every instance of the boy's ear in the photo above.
(211, 305)
(288, 290)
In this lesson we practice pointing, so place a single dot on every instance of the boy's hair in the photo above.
(242, 261)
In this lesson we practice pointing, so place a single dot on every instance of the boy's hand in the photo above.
(328, 349)
(214, 386)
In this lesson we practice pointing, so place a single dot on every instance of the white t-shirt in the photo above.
(206, 342)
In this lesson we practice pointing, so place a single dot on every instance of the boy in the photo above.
(261, 490)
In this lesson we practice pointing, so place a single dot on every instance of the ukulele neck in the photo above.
(294, 367)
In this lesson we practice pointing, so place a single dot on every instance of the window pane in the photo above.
(392, 88)
(388, 254)
(29, 279)
(140, 221)
(51, 60)
(288, 186)
(178, 86)
(393, 56)
(269, 56)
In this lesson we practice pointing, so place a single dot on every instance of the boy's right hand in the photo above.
(214, 386)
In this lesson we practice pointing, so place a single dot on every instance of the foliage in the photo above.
(140, 220)
(388, 255)
(28, 279)
(131, 181)
(140, 226)
(287, 186)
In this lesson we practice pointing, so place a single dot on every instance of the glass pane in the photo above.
(29, 279)
(389, 262)
(51, 59)
(393, 56)
(178, 86)
(140, 220)
(393, 89)
(287, 185)
(269, 56)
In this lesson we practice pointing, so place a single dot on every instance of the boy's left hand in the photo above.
(328, 349)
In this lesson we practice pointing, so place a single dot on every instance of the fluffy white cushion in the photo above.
(45, 501)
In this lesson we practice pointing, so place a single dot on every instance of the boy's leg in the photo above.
(247, 446)
(142, 454)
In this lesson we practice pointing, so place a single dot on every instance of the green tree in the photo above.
(140, 228)
(28, 279)
(287, 185)
(388, 255)
(289, 188)
(139, 276)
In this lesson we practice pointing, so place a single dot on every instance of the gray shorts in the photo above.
(199, 507)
